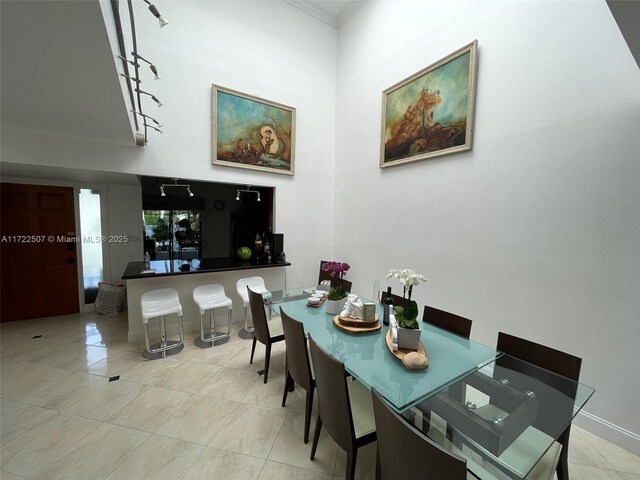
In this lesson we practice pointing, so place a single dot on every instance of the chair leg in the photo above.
(253, 349)
(316, 437)
(287, 383)
(351, 464)
(267, 359)
(562, 469)
(307, 414)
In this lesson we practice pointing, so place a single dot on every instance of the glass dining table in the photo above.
(472, 399)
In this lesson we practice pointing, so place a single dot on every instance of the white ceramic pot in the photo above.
(334, 307)
(409, 338)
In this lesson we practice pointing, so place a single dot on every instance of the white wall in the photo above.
(533, 232)
(268, 49)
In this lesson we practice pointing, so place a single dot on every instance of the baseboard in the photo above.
(608, 431)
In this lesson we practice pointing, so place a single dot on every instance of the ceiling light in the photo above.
(153, 68)
(130, 78)
(153, 97)
(129, 61)
(151, 126)
(247, 190)
(175, 183)
(150, 118)
(153, 9)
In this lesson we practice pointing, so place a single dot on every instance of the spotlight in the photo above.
(247, 190)
(130, 78)
(151, 126)
(175, 184)
(129, 61)
(153, 97)
(153, 68)
(153, 9)
(150, 118)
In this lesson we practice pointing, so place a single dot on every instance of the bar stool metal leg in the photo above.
(165, 348)
(247, 332)
(212, 338)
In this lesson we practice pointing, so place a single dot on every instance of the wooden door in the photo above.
(38, 252)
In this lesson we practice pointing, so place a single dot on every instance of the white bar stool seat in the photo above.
(257, 285)
(159, 303)
(209, 297)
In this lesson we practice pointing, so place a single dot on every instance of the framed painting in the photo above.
(251, 132)
(430, 113)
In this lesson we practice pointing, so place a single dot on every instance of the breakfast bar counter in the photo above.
(184, 276)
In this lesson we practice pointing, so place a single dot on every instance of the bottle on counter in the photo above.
(387, 308)
(147, 261)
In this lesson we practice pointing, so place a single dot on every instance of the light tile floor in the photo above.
(203, 413)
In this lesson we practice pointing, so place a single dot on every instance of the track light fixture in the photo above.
(247, 190)
(153, 68)
(130, 78)
(151, 126)
(129, 61)
(153, 97)
(149, 117)
(175, 184)
(153, 9)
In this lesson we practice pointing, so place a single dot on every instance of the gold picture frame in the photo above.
(430, 113)
(251, 132)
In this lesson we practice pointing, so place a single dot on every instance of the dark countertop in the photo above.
(165, 268)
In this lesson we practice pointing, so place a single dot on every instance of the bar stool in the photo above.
(257, 285)
(209, 297)
(157, 304)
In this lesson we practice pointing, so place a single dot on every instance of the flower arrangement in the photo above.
(407, 314)
(337, 271)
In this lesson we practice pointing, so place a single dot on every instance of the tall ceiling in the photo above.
(59, 74)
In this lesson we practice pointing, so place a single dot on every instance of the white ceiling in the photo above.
(333, 12)
(58, 72)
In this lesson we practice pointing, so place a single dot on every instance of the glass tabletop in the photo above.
(367, 357)
(503, 417)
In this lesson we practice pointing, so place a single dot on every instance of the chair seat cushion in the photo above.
(361, 408)
(275, 327)
(217, 301)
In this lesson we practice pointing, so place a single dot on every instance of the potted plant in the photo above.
(337, 294)
(407, 313)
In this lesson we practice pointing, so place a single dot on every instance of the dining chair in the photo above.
(406, 453)
(298, 366)
(324, 275)
(397, 299)
(344, 408)
(556, 362)
(266, 332)
(448, 321)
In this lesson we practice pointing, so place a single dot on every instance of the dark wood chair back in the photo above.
(297, 355)
(449, 321)
(406, 453)
(554, 362)
(297, 366)
(333, 396)
(259, 316)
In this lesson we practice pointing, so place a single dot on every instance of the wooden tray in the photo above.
(403, 352)
(316, 305)
(358, 322)
(356, 330)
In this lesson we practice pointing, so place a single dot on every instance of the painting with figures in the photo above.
(251, 132)
(430, 113)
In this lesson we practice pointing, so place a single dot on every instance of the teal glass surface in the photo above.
(367, 357)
